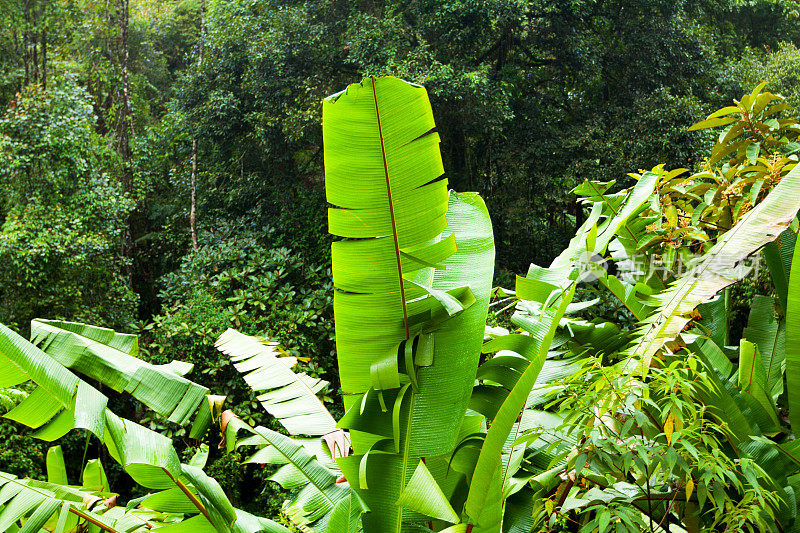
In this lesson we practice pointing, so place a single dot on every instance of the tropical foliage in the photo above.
(162, 164)
(613, 396)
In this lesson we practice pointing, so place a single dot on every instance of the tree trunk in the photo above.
(43, 18)
(193, 208)
(125, 131)
(26, 41)
(15, 40)
(35, 44)
(126, 84)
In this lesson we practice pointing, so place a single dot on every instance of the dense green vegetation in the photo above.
(122, 123)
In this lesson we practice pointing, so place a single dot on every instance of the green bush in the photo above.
(247, 284)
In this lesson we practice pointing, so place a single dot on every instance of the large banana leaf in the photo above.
(412, 288)
(427, 423)
(109, 357)
(382, 162)
(289, 397)
(718, 268)
(445, 386)
(793, 342)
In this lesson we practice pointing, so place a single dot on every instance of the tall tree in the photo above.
(193, 209)
(125, 128)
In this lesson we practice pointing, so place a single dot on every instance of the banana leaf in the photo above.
(718, 268)
(286, 395)
(110, 358)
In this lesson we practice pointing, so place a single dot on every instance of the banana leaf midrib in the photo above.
(297, 465)
(391, 210)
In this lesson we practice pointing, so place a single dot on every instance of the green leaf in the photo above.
(56, 469)
(94, 476)
(713, 123)
(423, 495)
(487, 470)
(289, 397)
(346, 515)
(778, 255)
(718, 267)
(728, 110)
(95, 353)
(753, 149)
(396, 202)
(767, 329)
(793, 341)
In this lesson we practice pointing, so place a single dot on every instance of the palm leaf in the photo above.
(289, 397)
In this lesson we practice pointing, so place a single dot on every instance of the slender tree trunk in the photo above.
(125, 131)
(15, 40)
(26, 41)
(193, 208)
(126, 83)
(43, 18)
(35, 44)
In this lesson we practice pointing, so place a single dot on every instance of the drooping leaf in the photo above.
(105, 355)
(423, 495)
(718, 268)
(288, 396)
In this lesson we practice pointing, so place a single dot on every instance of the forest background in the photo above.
(161, 164)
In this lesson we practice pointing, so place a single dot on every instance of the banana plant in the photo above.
(61, 401)
(322, 501)
(454, 427)
(412, 273)
(55, 505)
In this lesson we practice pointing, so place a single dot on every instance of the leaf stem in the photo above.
(94, 521)
(197, 503)
(391, 210)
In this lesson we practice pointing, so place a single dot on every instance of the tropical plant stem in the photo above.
(197, 503)
(94, 521)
